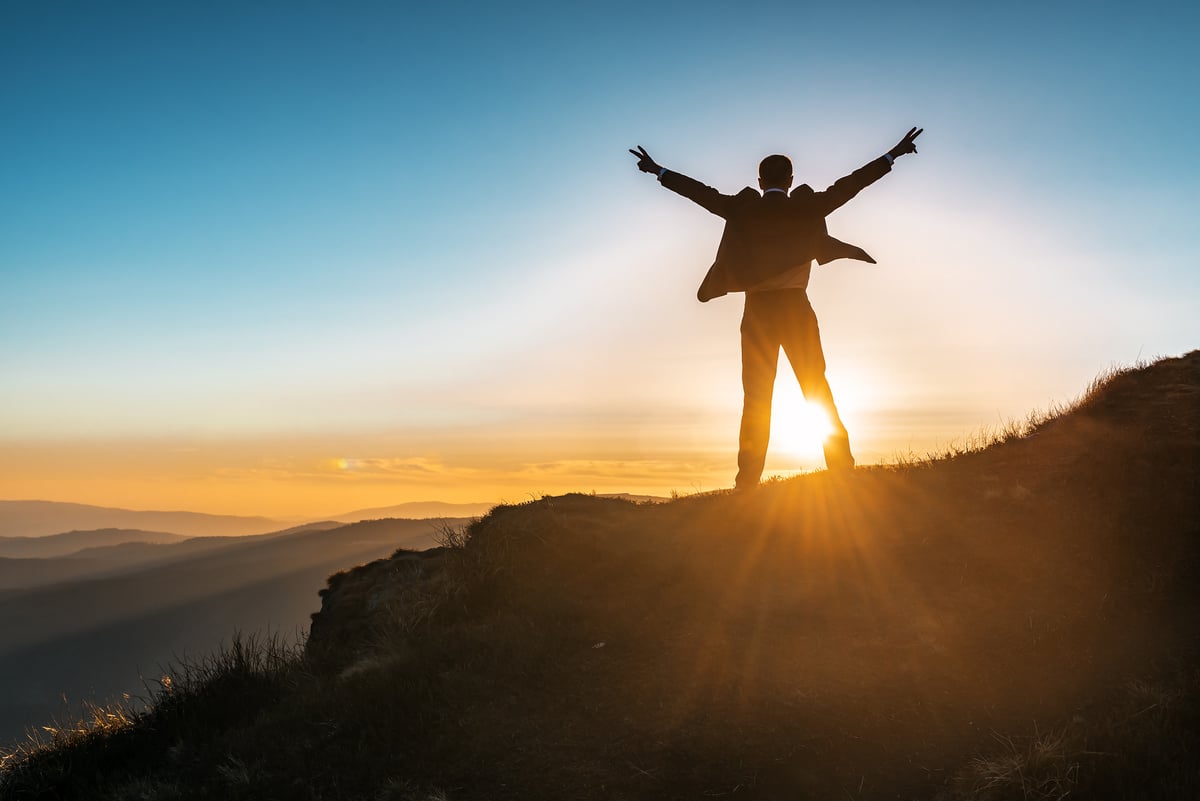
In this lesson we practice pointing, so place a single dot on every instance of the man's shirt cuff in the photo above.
(888, 156)
(661, 172)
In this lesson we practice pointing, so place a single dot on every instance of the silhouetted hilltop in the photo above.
(1017, 621)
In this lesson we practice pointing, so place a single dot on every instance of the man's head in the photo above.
(775, 172)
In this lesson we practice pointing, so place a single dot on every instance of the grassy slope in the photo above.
(1013, 623)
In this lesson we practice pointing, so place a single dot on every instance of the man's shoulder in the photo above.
(745, 203)
(803, 191)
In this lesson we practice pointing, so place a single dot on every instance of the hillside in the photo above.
(1014, 622)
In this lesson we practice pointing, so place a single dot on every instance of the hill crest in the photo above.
(820, 621)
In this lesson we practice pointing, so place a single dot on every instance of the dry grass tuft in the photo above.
(1044, 767)
(97, 721)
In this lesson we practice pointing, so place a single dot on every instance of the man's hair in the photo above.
(775, 171)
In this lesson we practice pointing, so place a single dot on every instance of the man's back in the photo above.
(771, 240)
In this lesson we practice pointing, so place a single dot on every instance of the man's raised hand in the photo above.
(907, 144)
(645, 163)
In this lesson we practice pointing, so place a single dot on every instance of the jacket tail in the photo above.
(837, 249)
(713, 285)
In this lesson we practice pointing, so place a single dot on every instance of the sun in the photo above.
(799, 429)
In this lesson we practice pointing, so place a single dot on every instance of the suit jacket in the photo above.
(771, 240)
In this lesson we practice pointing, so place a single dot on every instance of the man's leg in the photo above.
(760, 358)
(802, 343)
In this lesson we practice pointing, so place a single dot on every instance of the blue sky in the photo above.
(417, 225)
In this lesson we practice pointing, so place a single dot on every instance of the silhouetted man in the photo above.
(766, 251)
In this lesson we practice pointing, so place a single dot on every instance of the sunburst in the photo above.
(799, 429)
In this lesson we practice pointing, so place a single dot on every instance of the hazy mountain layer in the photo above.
(71, 542)
(39, 518)
(416, 510)
(95, 638)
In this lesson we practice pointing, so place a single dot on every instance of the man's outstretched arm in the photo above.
(845, 188)
(693, 190)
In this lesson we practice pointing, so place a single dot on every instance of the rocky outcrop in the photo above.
(359, 606)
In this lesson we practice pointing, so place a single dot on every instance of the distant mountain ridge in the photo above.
(29, 562)
(29, 519)
(41, 518)
(416, 510)
(56, 545)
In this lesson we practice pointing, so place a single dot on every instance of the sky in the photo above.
(295, 258)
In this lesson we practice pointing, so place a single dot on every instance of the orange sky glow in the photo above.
(297, 477)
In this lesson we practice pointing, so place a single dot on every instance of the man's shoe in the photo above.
(837, 454)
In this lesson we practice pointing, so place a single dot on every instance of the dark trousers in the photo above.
(782, 317)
